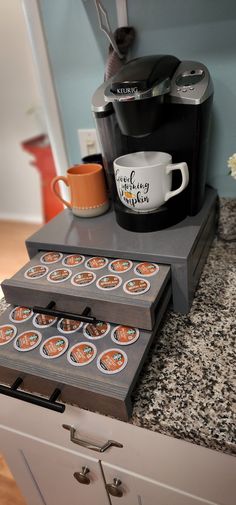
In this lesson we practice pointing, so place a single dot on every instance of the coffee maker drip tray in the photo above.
(158, 219)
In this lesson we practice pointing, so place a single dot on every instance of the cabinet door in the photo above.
(45, 472)
(128, 488)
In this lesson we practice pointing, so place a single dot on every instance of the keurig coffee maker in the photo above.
(157, 103)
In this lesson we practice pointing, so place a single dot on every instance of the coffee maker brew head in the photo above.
(137, 93)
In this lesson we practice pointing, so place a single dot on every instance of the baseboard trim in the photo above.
(23, 218)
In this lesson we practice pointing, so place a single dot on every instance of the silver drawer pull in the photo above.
(87, 444)
(81, 477)
(114, 489)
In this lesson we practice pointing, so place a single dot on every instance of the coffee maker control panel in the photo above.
(191, 84)
(190, 77)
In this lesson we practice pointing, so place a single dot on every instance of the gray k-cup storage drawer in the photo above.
(118, 290)
(91, 365)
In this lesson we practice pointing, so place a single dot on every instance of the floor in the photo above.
(12, 237)
(9, 492)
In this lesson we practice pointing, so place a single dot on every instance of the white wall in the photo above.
(19, 181)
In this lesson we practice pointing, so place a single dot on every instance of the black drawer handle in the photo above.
(49, 310)
(50, 403)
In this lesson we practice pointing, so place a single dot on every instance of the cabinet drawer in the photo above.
(123, 292)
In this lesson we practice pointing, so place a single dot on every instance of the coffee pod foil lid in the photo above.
(96, 263)
(7, 333)
(59, 275)
(124, 335)
(120, 266)
(54, 347)
(51, 257)
(136, 286)
(36, 272)
(95, 331)
(27, 341)
(112, 361)
(81, 354)
(83, 279)
(146, 269)
(69, 325)
(109, 282)
(20, 314)
(43, 321)
(73, 260)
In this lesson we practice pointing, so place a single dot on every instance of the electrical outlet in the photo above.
(88, 142)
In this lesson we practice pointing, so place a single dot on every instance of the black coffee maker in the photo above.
(157, 103)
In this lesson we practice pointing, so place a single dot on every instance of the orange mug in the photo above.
(87, 189)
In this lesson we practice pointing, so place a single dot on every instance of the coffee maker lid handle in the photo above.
(142, 78)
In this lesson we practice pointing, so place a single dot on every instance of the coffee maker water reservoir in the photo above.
(157, 103)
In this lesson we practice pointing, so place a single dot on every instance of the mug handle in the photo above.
(183, 167)
(54, 189)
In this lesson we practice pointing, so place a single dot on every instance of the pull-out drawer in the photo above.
(121, 291)
(94, 366)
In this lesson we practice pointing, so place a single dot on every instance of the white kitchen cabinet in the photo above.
(51, 475)
(133, 489)
(154, 469)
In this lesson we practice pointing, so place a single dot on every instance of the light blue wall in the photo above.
(203, 30)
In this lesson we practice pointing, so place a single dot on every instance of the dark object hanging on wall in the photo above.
(124, 38)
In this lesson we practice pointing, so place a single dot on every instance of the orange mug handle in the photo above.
(54, 189)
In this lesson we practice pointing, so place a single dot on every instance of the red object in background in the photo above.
(44, 162)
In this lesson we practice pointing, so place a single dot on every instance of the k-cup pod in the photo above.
(20, 314)
(59, 275)
(112, 361)
(36, 272)
(51, 257)
(83, 279)
(120, 266)
(43, 320)
(73, 260)
(82, 354)
(96, 263)
(146, 269)
(27, 341)
(69, 325)
(7, 333)
(54, 347)
(136, 286)
(109, 282)
(95, 331)
(124, 335)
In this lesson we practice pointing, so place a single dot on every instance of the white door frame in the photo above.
(44, 76)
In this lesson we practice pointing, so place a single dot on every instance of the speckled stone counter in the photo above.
(186, 389)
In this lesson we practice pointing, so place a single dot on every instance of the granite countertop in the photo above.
(186, 389)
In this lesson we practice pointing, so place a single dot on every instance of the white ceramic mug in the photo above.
(144, 179)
